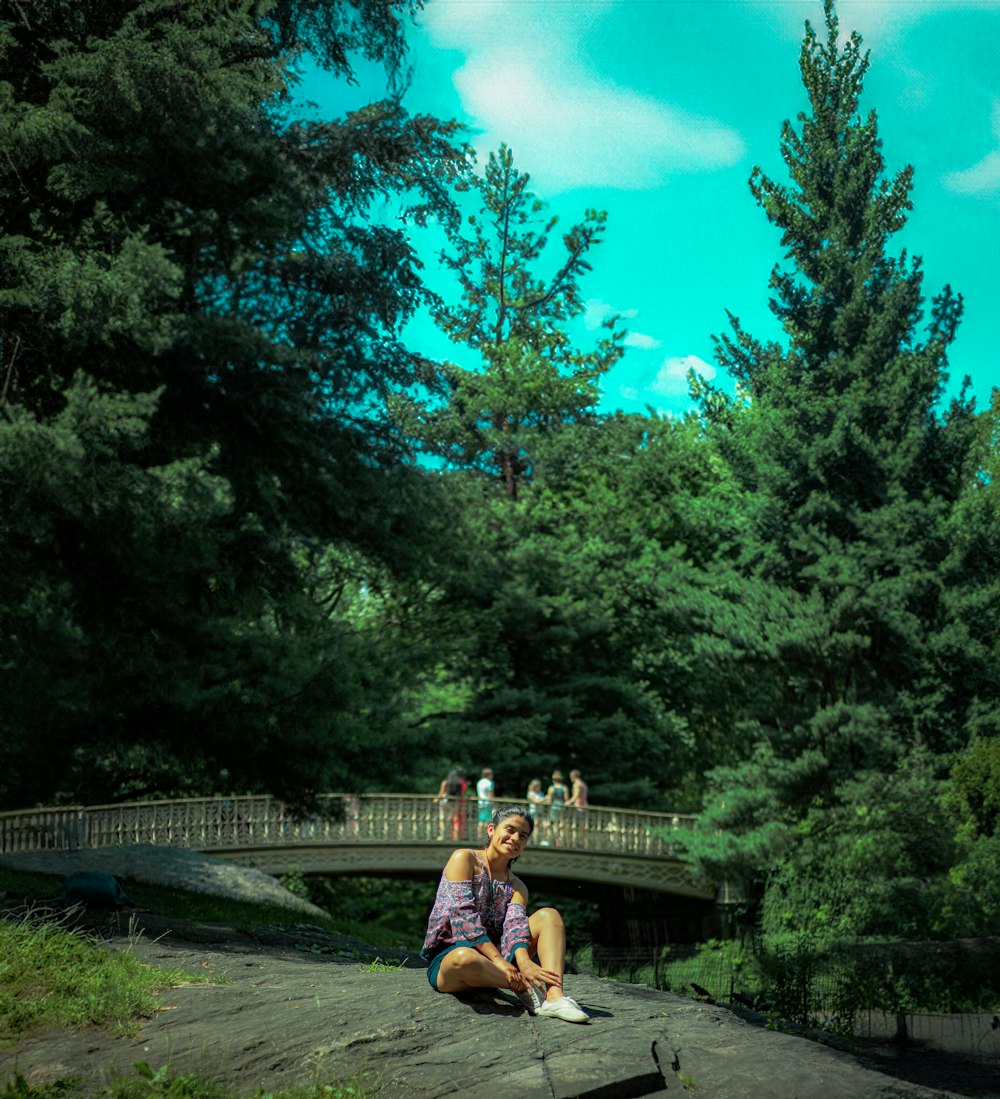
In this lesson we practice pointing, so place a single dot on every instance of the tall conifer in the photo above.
(198, 324)
(836, 434)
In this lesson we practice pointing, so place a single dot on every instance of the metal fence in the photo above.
(218, 823)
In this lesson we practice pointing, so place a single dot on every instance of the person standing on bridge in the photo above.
(484, 791)
(578, 801)
(451, 793)
(479, 934)
(556, 797)
(537, 807)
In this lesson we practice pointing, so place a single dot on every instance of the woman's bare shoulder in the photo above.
(519, 887)
(461, 865)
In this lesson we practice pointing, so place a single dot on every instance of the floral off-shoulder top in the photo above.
(476, 911)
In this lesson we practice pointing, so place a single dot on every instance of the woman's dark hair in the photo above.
(453, 783)
(506, 811)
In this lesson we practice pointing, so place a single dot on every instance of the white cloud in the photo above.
(641, 341)
(983, 178)
(596, 312)
(484, 24)
(879, 22)
(522, 84)
(671, 378)
(588, 133)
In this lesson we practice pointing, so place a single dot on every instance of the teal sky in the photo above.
(657, 110)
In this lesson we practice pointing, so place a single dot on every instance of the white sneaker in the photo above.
(564, 1008)
(532, 999)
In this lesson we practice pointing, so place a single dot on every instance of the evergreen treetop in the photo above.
(852, 471)
(517, 297)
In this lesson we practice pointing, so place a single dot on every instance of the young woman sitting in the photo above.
(480, 935)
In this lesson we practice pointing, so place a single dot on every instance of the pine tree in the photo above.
(522, 629)
(852, 473)
(198, 326)
(516, 314)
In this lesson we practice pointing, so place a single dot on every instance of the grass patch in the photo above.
(53, 977)
(377, 965)
(29, 884)
(184, 904)
(168, 1085)
(164, 1084)
(177, 903)
(374, 935)
(50, 976)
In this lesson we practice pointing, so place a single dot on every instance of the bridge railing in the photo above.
(218, 823)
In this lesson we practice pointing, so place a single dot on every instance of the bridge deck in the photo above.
(370, 833)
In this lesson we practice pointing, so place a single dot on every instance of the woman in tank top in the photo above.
(480, 935)
(557, 796)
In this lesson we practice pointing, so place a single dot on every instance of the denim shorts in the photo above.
(434, 967)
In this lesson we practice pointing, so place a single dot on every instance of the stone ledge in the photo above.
(284, 1017)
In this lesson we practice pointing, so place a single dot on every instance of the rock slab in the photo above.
(285, 1014)
(158, 865)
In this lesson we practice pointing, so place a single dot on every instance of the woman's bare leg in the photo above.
(464, 969)
(548, 943)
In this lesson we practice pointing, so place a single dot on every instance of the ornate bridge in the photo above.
(371, 834)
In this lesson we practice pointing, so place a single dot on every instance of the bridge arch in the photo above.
(371, 834)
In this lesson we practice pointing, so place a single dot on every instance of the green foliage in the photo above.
(164, 1083)
(789, 969)
(198, 321)
(975, 787)
(379, 911)
(295, 882)
(52, 977)
(973, 899)
(833, 812)
(598, 622)
(798, 978)
(718, 966)
(223, 569)
(19, 1088)
(533, 380)
(874, 864)
(898, 977)
(377, 965)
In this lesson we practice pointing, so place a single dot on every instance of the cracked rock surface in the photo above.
(290, 1010)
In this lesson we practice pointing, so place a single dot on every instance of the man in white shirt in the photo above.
(484, 791)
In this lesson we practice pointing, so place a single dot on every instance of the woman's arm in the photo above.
(459, 898)
(517, 930)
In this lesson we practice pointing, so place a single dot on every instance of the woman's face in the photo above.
(510, 835)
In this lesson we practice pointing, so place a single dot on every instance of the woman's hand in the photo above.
(515, 982)
(532, 972)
